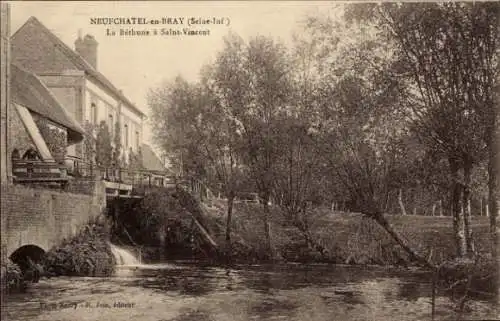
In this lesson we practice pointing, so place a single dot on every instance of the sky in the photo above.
(137, 63)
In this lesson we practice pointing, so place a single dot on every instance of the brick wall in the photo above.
(80, 186)
(43, 217)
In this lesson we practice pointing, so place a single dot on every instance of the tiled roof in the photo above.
(29, 91)
(150, 160)
(81, 63)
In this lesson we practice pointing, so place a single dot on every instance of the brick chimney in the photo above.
(87, 48)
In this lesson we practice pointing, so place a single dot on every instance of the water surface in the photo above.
(183, 291)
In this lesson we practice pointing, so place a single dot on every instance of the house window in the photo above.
(93, 113)
(137, 139)
(125, 133)
(111, 125)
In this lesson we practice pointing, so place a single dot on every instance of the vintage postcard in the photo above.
(241, 160)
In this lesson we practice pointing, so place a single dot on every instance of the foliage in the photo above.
(117, 143)
(89, 143)
(448, 53)
(87, 254)
(54, 137)
(377, 102)
(12, 278)
(163, 218)
(104, 149)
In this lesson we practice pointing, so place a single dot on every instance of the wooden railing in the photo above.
(38, 171)
(78, 169)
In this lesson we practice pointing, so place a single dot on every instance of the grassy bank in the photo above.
(347, 237)
(164, 218)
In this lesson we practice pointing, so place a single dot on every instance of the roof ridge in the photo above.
(80, 62)
(48, 105)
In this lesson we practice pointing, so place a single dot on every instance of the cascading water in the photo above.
(124, 257)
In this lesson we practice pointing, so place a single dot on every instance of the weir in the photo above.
(124, 257)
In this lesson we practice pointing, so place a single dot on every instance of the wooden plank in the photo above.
(204, 232)
(34, 132)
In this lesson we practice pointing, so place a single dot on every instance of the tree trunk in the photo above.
(230, 201)
(467, 209)
(456, 209)
(267, 227)
(434, 209)
(380, 218)
(493, 205)
(400, 200)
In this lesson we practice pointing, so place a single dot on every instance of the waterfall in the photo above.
(123, 257)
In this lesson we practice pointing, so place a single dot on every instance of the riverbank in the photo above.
(176, 223)
(348, 238)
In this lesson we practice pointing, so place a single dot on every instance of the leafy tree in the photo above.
(359, 131)
(174, 113)
(297, 174)
(89, 144)
(250, 86)
(116, 160)
(202, 132)
(447, 53)
(104, 150)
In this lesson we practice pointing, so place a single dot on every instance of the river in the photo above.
(182, 291)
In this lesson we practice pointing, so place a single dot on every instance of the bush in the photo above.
(163, 218)
(87, 254)
(12, 278)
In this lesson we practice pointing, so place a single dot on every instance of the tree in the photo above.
(174, 113)
(254, 84)
(445, 55)
(89, 145)
(220, 136)
(358, 129)
(104, 150)
(297, 174)
(202, 131)
(117, 142)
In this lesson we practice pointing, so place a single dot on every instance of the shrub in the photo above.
(87, 254)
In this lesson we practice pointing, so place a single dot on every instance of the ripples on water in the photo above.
(186, 292)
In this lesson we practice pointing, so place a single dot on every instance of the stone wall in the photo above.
(5, 172)
(44, 217)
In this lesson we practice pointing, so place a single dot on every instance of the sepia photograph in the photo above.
(250, 160)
